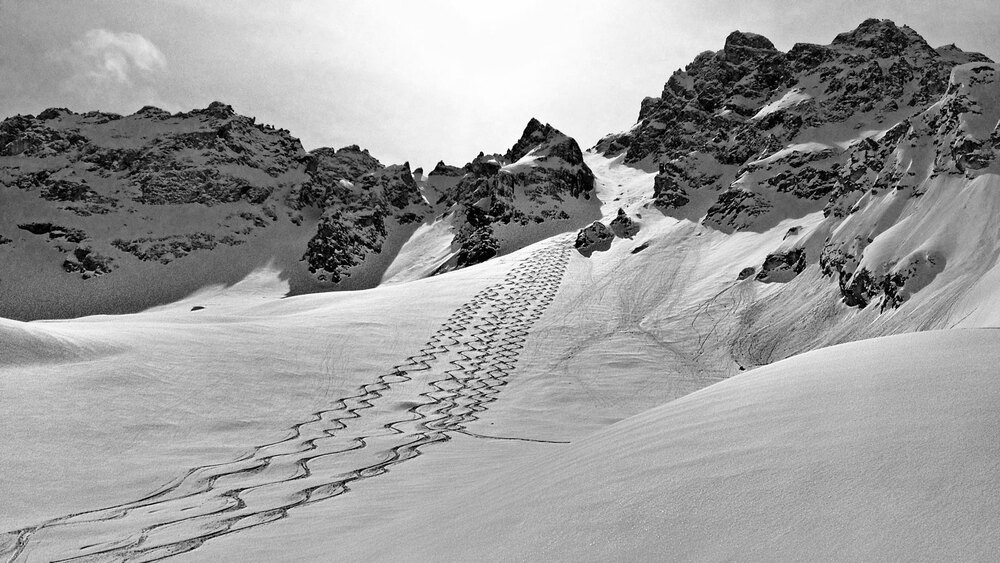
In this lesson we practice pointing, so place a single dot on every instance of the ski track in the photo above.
(436, 392)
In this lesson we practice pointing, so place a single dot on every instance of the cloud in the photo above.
(116, 71)
(108, 57)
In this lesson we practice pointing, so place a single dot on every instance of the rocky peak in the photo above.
(485, 165)
(219, 110)
(741, 39)
(53, 113)
(957, 56)
(535, 134)
(544, 142)
(749, 97)
(152, 112)
(876, 33)
(442, 169)
(741, 47)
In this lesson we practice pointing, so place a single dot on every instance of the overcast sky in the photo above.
(412, 80)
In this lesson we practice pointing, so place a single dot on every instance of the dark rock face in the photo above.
(197, 182)
(84, 165)
(746, 131)
(359, 215)
(153, 170)
(596, 237)
(54, 231)
(746, 273)
(783, 266)
(529, 184)
(442, 169)
(623, 226)
(166, 249)
(88, 263)
(640, 248)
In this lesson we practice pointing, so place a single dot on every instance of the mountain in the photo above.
(748, 136)
(499, 203)
(764, 328)
(105, 213)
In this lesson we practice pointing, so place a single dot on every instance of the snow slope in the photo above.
(875, 450)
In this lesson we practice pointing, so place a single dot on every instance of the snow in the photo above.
(880, 449)
(791, 98)
(424, 252)
(809, 147)
(883, 449)
(979, 81)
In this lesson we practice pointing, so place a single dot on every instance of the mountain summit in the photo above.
(749, 136)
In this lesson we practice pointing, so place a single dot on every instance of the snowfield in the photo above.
(874, 450)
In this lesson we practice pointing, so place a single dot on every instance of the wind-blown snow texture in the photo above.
(541, 364)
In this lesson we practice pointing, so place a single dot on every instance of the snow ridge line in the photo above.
(468, 360)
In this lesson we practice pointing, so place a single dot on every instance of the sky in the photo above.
(416, 81)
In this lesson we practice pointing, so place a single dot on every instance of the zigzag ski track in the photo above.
(436, 392)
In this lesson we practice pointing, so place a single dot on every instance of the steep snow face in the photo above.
(929, 205)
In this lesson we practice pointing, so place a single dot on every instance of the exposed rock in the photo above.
(782, 266)
(54, 231)
(442, 169)
(641, 247)
(623, 226)
(359, 215)
(526, 185)
(596, 237)
(746, 273)
(88, 263)
(722, 123)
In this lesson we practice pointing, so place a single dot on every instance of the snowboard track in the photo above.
(460, 370)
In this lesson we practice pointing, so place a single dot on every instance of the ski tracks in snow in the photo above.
(422, 401)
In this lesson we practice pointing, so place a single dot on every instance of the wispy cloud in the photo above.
(113, 68)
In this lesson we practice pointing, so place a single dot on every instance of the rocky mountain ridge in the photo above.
(113, 201)
(748, 136)
(863, 132)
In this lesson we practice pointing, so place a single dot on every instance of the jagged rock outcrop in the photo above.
(598, 237)
(729, 122)
(953, 140)
(782, 266)
(623, 226)
(114, 196)
(92, 167)
(358, 219)
(595, 237)
(854, 129)
(500, 200)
